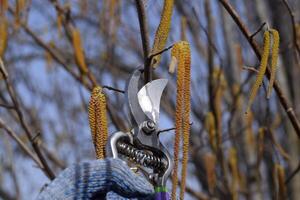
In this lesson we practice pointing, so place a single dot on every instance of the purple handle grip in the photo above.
(162, 196)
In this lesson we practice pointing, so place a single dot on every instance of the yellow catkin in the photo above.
(260, 145)
(274, 59)
(78, 51)
(242, 181)
(250, 141)
(219, 83)
(233, 163)
(49, 60)
(114, 16)
(59, 19)
(172, 65)
(210, 126)
(249, 138)
(20, 5)
(239, 56)
(98, 121)
(181, 51)
(83, 4)
(162, 31)
(210, 167)
(3, 6)
(280, 179)
(48, 56)
(298, 33)
(112, 7)
(178, 116)
(277, 121)
(183, 28)
(236, 93)
(186, 115)
(3, 36)
(262, 70)
(278, 146)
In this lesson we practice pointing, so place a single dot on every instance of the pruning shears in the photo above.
(141, 147)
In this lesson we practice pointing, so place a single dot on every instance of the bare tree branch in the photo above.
(145, 39)
(291, 13)
(24, 125)
(282, 98)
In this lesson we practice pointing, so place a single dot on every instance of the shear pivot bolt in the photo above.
(148, 126)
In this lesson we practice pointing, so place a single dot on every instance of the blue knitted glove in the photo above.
(99, 179)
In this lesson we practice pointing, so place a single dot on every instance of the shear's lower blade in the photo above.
(149, 98)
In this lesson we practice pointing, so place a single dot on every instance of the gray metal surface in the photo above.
(144, 106)
(149, 98)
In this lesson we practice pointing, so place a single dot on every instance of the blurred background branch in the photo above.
(55, 52)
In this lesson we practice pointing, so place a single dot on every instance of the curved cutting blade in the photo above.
(149, 98)
(137, 114)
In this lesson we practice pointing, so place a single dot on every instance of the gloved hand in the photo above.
(99, 179)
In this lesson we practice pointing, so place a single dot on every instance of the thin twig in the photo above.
(36, 137)
(258, 30)
(24, 125)
(253, 69)
(3, 71)
(69, 25)
(169, 129)
(145, 38)
(61, 60)
(293, 174)
(23, 146)
(160, 52)
(5, 195)
(210, 42)
(166, 130)
(293, 25)
(282, 98)
(53, 157)
(113, 89)
(194, 193)
(6, 106)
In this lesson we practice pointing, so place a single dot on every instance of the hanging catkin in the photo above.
(280, 178)
(183, 28)
(78, 51)
(233, 163)
(3, 36)
(98, 121)
(210, 126)
(278, 146)
(262, 70)
(59, 19)
(210, 165)
(219, 85)
(178, 115)
(20, 5)
(181, 51)
(3, 7)
(274, 59)
(186, 115)
(162, 31)
(260, 145)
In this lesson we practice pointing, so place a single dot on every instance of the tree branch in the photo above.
(23, 146)
(258, 30)
(113, 89)
(5, 195)
(291, 13)
(293, 174)
(160, 52)
(17, 108)
(145, 39)
(282, 98)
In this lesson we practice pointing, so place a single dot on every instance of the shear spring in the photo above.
(141, 157)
